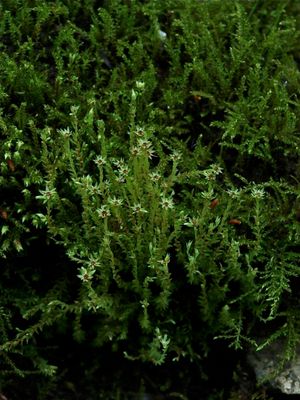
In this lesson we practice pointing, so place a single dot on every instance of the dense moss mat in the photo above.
(149, 194)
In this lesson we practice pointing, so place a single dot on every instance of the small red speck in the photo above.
(11, 165)
(3, 214)
(234, 221)
(214, 203)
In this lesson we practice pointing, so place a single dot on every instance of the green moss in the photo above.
(153, 147)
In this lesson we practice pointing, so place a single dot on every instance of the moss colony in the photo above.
(149, 195)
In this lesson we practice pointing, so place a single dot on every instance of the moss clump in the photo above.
(149, 178)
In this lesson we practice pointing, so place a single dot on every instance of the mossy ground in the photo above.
(149, 195)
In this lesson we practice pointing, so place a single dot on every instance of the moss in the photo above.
(152, 148)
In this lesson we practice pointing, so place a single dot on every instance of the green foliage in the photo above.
(153, 147)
